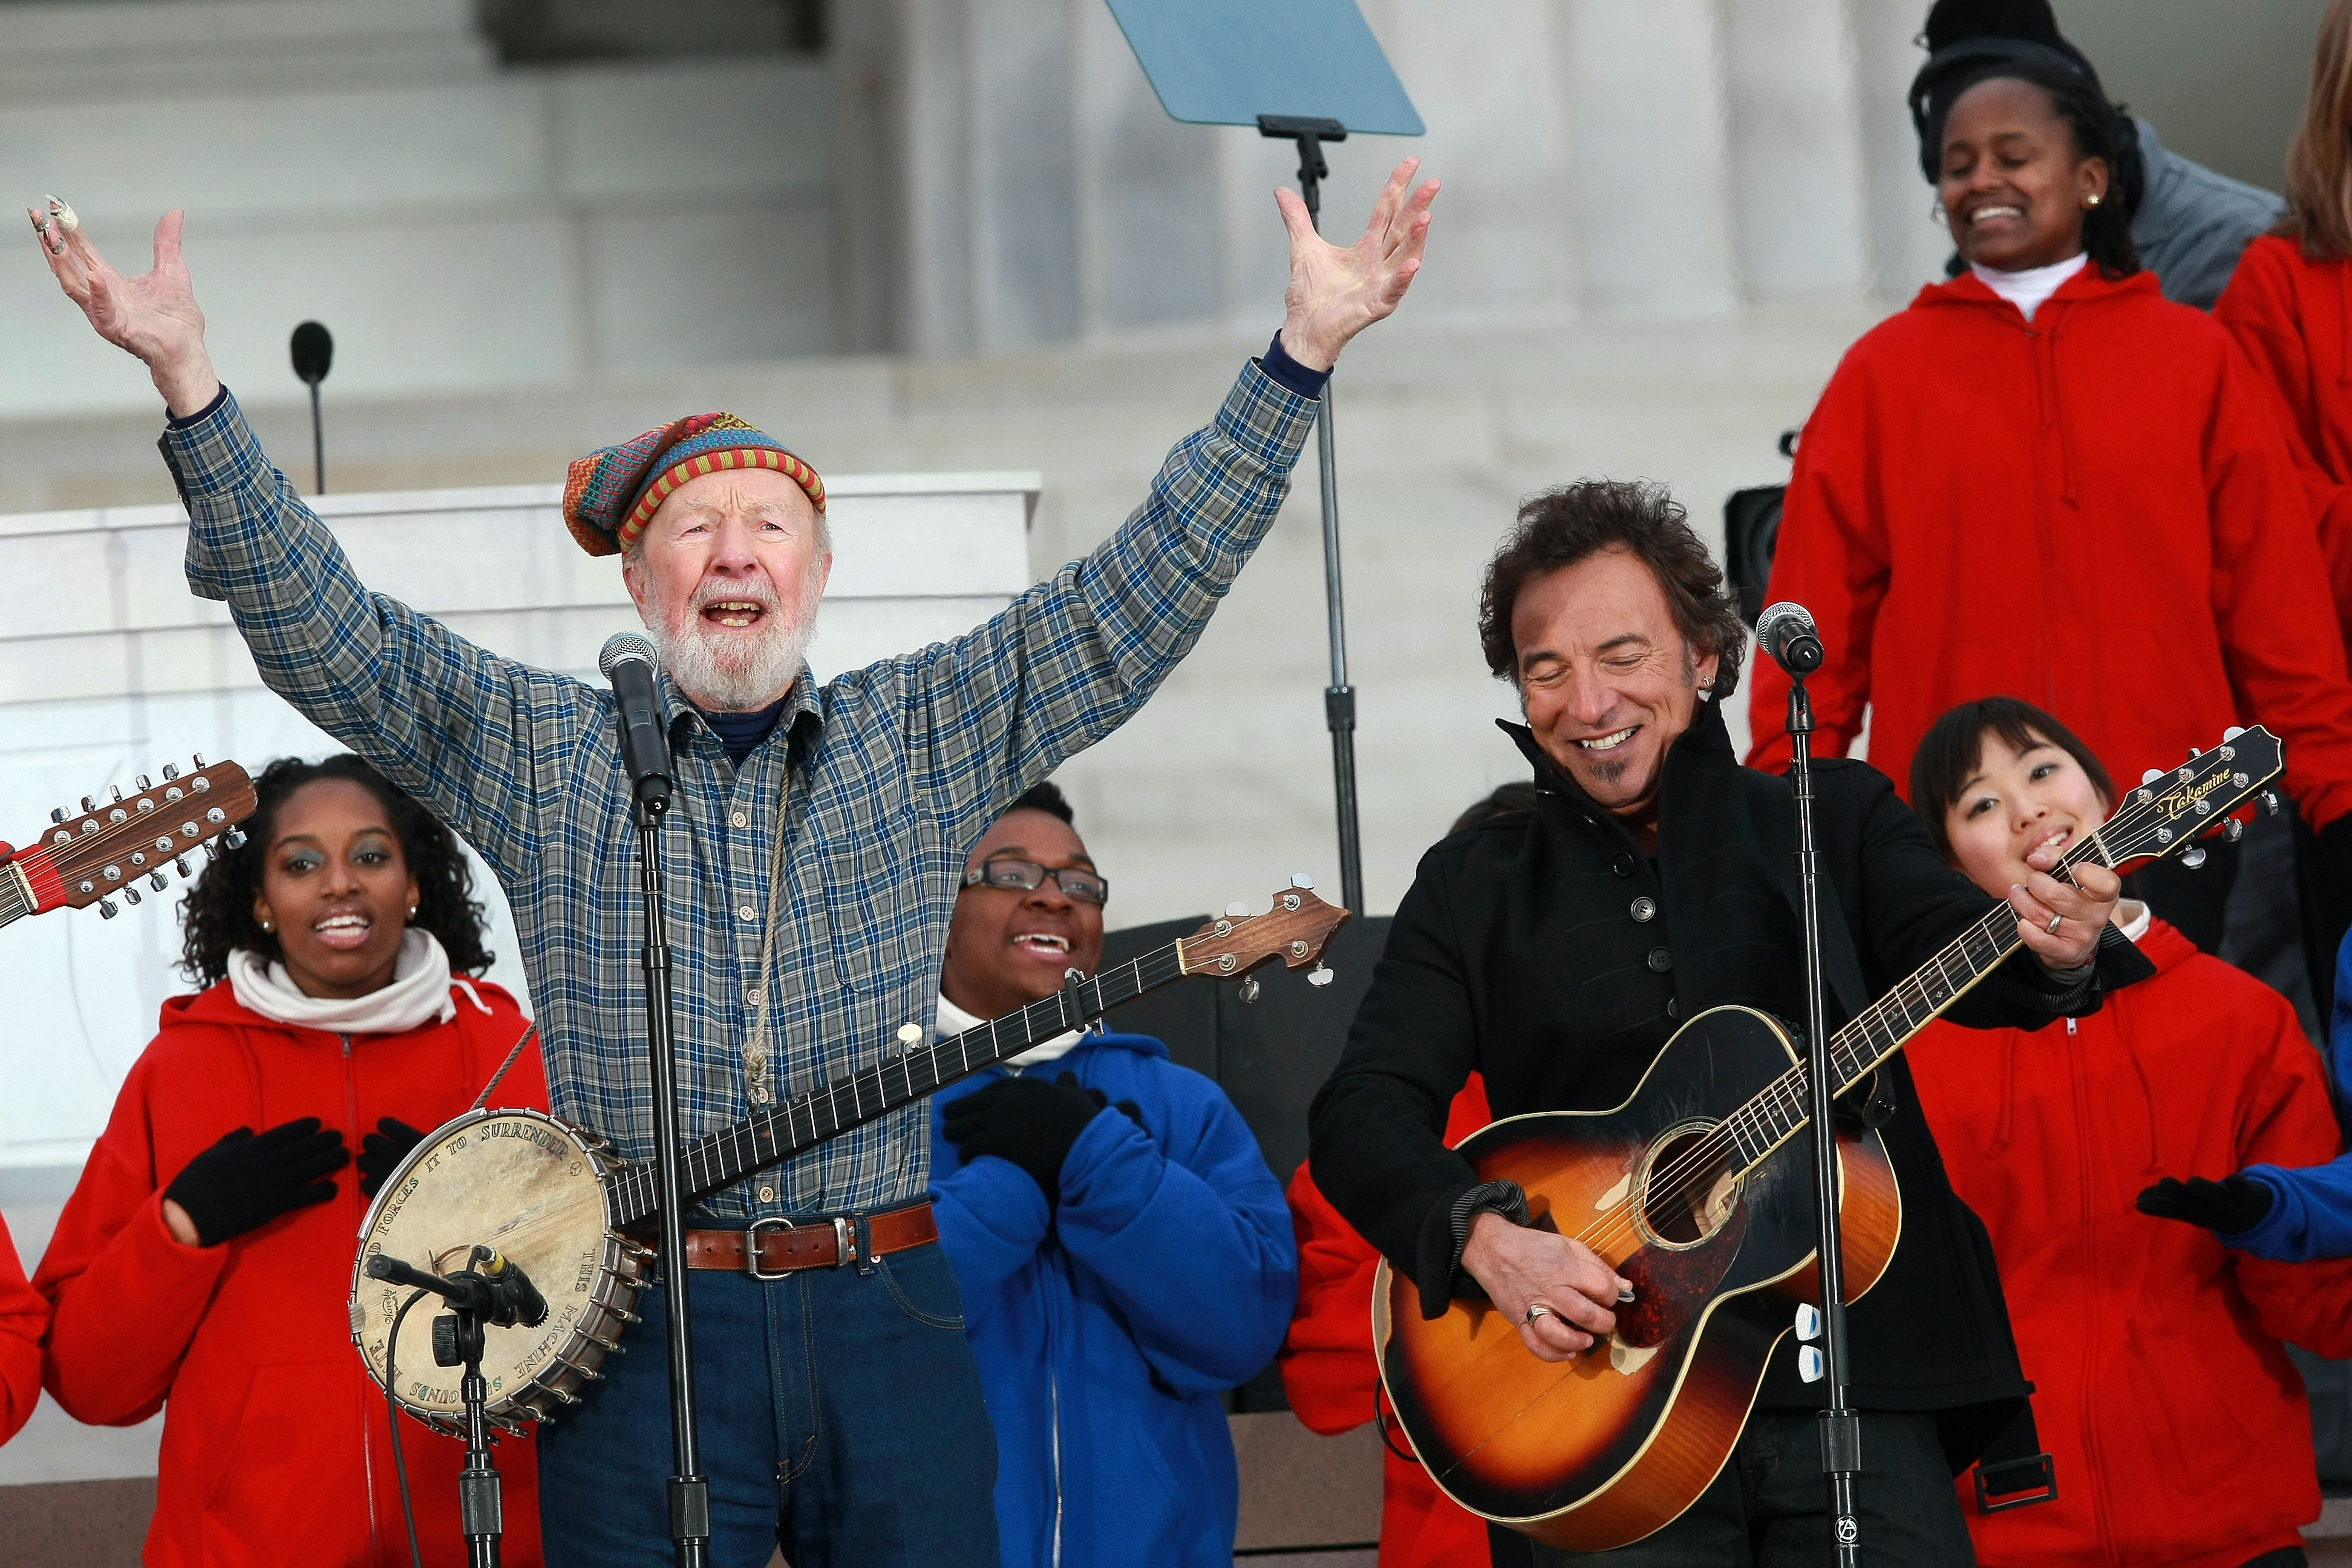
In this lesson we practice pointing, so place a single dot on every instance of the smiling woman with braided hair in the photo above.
(203, 1264)
(2043, 477)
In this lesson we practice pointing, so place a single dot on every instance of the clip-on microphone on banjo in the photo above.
(491, 1289)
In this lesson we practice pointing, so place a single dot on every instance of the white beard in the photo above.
(725, 672)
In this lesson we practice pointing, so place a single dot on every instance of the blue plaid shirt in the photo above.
(880, 781)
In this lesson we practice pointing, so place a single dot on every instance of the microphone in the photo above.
(497, 1289)
(1785, 631)
(628, 662)
(314, 352)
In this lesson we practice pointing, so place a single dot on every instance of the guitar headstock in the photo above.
(110, 847)
(2168, 811)
(1293, 930)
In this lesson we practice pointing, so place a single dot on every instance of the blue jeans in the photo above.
(840, 1417)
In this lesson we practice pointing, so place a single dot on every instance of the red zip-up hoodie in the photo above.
(1330, 1373)
(2093, 511)
(2293, 316)
(2180, 1428)
(276, 1447)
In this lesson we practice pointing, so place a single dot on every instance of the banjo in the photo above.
(555, 1199)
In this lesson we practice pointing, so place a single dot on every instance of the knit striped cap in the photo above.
(612, 493)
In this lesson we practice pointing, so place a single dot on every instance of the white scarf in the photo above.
(419, 993)
(954, 1020)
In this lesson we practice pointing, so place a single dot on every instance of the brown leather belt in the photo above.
(770, 1248)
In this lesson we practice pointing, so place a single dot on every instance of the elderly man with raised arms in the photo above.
(813, 857)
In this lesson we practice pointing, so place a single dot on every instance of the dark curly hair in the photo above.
(1561, 527)
(2101, 130)
(217, 916)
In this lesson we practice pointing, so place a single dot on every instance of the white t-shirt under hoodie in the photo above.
(2028, 286)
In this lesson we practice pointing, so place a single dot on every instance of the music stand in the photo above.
(1308, 71)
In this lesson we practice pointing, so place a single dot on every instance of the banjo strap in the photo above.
(483, 1098)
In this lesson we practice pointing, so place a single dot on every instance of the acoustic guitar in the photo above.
(1699, 1190)
(552, 1197)
(106, 850)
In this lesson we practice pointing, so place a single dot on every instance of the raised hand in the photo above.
(153, 317)
(1336, 292)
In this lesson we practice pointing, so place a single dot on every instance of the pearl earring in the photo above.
(2093, 200)
(267, 926)
(412, 911)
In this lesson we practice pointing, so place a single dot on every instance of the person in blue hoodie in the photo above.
(2290, 1214)
(1125, 1254)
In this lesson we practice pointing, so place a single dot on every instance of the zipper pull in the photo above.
(2070, 1029)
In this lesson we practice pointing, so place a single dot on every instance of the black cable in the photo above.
(392, 1409)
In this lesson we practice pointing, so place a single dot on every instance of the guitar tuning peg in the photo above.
(179, 864)
(155, 880)
(87, 803)
(2232, 733)
(2194, 753)
(1320, 976)
(1302, 882)
(199, 760)
(116, 791)
(1236, 910)
(57, 814)
(2193, 857)
(2270, 802)
(2151, 775)
(105, 908)
(1250, 989)
(170, 772)
(2234, 830)
(234, 838)
(144, 783)
(130, 891)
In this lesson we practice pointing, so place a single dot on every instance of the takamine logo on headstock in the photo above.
(108, 847)
(2169, 809)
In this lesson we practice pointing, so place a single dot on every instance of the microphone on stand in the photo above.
(313, 348)
(628, 662)
(1785, 631)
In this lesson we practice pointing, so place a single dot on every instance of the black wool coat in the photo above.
(1548, 954)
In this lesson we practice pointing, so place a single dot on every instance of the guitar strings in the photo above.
(1678, 1180)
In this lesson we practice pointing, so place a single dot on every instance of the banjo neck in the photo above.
(1293, 930)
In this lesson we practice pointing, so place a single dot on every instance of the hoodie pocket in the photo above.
(287, 1478)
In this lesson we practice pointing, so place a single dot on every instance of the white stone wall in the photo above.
(455, 226)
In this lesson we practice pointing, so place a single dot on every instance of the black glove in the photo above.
(2226, 1207)
(1026, 1120)
(245, 1180)
(383, 1149)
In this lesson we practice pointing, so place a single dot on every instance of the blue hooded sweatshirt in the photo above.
(1106, 1332)
(2311, 1206)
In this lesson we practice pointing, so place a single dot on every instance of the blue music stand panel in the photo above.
(1225, 62)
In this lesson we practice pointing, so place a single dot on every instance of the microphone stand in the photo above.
(690, 1492)
(1841, 1425)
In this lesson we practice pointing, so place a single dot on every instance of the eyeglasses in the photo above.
(1027, 875)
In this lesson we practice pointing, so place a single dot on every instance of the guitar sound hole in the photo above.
(1690, 1186)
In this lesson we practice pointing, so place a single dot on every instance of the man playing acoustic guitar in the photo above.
(1558, 952)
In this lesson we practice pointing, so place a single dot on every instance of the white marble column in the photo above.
(1645, 107)
(1797, 191)
(1906, 249)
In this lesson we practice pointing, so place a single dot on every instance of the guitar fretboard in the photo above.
(722, 1158)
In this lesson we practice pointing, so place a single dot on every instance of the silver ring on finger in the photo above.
(1534, 1311)
(2054, 921)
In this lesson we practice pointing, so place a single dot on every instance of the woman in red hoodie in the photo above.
(2044, 479)
(23, 1317)
(203, 1265)
(2179, 1429)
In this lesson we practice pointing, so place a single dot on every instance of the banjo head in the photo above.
(531, 1187)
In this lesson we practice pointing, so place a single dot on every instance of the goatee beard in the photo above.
(751, 673)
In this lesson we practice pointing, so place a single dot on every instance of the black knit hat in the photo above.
(1967, 40)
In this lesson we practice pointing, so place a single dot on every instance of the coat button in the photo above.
(1660, 960)
(1674, 1008)
(1623, 865)
(1644, 907)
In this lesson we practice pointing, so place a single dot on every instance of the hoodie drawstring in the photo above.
(462, 983)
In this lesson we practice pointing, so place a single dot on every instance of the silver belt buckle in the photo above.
(751, 1249)
(844, 1243)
